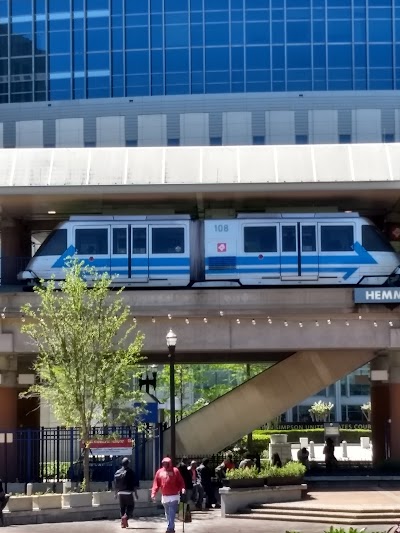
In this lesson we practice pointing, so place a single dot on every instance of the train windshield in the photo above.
(374, 241)
(55, 244)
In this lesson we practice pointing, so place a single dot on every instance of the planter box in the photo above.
(278, 438)
(19, 503)
(243, 483)
(46, 501)
(104, 498)
(73, 500)
(282, 481)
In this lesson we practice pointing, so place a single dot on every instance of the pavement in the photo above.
(211, 521)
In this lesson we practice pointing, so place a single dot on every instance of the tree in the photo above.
(205, 382)
(321, 411)
(87, 357)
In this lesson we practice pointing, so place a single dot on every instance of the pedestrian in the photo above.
(3, 502)
(229, 463)
(303, 457)
(276, 460)
(126, 486)
(247, 461)
(205, 477)
(329, 452)
(187, 478)
(168, 479)
(197, 490)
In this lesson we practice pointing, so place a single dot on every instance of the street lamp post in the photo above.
(171, 343)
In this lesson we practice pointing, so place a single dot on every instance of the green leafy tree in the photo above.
(87, 351)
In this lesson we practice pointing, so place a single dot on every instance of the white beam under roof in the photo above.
(200, 167)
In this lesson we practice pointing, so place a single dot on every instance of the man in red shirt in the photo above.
(169, 480)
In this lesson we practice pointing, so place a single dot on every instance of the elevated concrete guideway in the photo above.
(274, 322)
(95, 180)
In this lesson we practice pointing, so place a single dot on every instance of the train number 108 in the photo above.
(221, 228)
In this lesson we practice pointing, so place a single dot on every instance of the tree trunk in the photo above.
(86, 450)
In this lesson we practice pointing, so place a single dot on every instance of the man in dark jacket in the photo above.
(125, 486)
(183, 469)
(205, 477)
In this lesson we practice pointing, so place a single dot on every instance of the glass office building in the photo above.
(77, 49)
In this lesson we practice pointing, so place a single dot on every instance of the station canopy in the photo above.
(362, 177)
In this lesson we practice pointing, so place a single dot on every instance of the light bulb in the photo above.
(329, 321)
(300, 324)
(205, 320)
(390, 323)
(285, 324)
(153, 320)
(221, 313)
(238, 320)
(187, 321)
(253, 322)
(317, 323)
(375, 325)
(347, 323)
(269, 320)
(169, 316)
(359, 317)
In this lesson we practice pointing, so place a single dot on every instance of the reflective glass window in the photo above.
(257, 33)
(289, 240)
(120, 242)
(91, 241)
(139, 241)
(260, 239)
(308, 239)
(55, 244)
(168, 240)
(177, 35)
(337, 238)
(375, 241)
(21, 7)
(97, 5)
(137, 39)
(59, 42)
(58, 6)
(217, 34)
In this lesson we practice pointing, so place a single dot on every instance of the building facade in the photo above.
(77, 49)
(76, 73)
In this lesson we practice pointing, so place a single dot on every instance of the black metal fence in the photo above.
(55, 454)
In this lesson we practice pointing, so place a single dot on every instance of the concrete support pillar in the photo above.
(15, 249)
(8, 393)
(380, 412)
(394, 398)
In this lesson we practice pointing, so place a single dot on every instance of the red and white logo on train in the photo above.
(221, 247)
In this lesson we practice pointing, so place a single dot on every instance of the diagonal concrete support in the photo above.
(262, 398)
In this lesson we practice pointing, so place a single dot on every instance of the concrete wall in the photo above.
(280, 118)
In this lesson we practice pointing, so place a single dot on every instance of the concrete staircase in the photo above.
(322, 514)
(262, 398)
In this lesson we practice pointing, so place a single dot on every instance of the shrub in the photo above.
(243, 473)
(291, 469)
(352, 436)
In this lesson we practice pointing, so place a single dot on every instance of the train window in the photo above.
(91, 241)
(168, 240)
(374, 241)
(308, 239)
(55, 244)
(260, 239)
(337, 238)
(119, 241)
(139, 244)
(289, 239)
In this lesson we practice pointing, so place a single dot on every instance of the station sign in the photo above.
(376, 295)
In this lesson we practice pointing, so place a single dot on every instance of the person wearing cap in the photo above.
(168, 479)
(197, 490)
(125, 486)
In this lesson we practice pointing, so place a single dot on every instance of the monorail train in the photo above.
(250, 250)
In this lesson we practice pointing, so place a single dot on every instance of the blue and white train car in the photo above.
(298, 249)
(140, 250)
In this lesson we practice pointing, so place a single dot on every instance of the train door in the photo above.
(169, 254)
(261, 259)
(139, 267)
(92, 245)
(340, 256)
(299, 255)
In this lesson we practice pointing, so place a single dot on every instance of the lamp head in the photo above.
(171, 338)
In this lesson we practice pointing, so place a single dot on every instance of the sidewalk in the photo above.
(209, 522)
